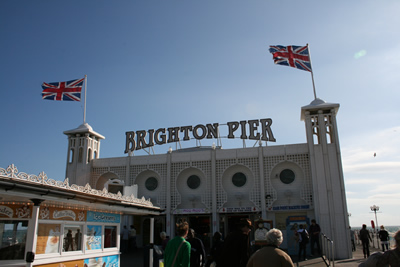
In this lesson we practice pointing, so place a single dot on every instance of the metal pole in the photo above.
(31, 238)
(375, 208)
(376, 231)
(312, 74)
(84, 105)
(151, 241)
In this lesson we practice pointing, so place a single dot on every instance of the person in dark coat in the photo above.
(384, 237)
(197, 253)
(314, 232)
(164, 240)
(216, 249)
(237, 251)
(365, 238)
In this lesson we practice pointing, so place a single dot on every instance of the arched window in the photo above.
(71, 156)
(80, 155)
(89, 155)
(328, 126)
(315, 129)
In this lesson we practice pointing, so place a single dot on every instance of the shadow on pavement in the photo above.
(136, 259)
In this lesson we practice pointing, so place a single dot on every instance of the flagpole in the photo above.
(84, 105)
(312, 74)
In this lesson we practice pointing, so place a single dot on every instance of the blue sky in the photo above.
(157, 64)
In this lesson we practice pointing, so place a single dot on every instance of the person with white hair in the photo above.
(271, 255)
(164, 240)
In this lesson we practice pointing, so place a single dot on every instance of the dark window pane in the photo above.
(13, 238)
(193, 181)
(110, 236)
(287, 176)
(151, 184)
(239, 179)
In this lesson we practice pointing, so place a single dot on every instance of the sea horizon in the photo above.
(390, 228)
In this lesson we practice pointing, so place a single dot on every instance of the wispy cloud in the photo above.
(372, 179)
(381, 167)
(362, 181)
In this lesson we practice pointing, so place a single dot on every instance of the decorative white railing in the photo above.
(11, 173)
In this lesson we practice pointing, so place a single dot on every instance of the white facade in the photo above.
(213, 187)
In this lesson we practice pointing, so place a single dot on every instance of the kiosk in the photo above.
(50, 223)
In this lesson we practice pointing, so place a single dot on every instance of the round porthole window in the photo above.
(193, 181)
(239, 179)
(151, 184)
(287, 176)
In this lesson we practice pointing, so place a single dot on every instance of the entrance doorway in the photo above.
(229, 222)
(201, 224)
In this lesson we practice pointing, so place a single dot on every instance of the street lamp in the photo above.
(375, 208)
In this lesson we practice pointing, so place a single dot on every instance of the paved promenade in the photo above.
(357, 259)
(136, 259)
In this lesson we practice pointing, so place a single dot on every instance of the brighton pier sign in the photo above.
(257, 130)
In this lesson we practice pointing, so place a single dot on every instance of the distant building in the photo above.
(213, 188)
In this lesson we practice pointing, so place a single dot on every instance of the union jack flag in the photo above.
(294, 56)
(63, 91)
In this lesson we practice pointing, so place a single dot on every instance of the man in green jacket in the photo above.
(177, 252)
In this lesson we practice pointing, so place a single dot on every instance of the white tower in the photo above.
(83, 146)
(327, 174)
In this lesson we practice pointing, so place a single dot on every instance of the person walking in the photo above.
(314, 231)
(236, 251)
(303, 240)
(271, 255)
(352, 238)
(197, 252)
(365, 238)
(177, 252)
(216, 250)
(384, 237)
